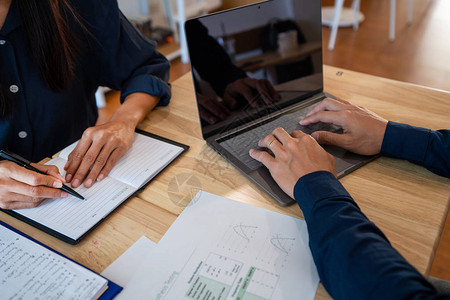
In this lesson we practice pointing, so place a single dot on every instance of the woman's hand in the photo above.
(22, 188)
(101, 146)
(98, 151)
(296, 155)
(363, 130)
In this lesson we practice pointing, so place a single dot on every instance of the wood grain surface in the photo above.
(406, 201)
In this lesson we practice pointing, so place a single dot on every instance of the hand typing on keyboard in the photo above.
(363, 131)
(295, 155)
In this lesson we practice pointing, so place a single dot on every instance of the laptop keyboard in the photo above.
(239, 145)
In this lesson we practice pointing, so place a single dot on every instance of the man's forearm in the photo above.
(421, 146)
(353, 257)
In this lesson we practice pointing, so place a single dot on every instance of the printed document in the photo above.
(223, 249)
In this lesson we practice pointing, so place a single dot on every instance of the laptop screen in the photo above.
(254, 60)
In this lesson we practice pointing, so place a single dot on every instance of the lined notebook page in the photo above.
(30, 271)
(146, 157)
(72, 216)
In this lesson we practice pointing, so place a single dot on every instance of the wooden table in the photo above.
(406, 201)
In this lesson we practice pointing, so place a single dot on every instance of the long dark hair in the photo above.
(54, 44)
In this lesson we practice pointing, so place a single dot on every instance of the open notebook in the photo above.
(31, 270)
(70, 219)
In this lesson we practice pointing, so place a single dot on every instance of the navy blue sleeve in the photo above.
(421, 146)
(129, 61)
(353, 257)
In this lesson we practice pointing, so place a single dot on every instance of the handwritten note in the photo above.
(30, 271)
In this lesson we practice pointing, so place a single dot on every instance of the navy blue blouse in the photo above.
(113, 55)
(353, 257)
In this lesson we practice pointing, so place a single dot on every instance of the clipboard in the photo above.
(113, 288)
(72, 241)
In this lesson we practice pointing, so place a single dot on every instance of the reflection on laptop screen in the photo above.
(251, 61)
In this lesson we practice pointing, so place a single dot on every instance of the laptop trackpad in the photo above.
(347, 161)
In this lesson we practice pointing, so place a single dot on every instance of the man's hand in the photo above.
(249, 90)
(22, 188)
(296, 155)
(363, 130)
(101, 146)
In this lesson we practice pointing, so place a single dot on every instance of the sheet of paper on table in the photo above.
(123, 268)
(223, 249)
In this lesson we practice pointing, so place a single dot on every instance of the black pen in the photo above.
(8, 155)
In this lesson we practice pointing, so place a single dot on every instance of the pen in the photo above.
(8, 155)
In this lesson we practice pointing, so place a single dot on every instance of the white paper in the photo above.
(223, 249)
(72, 217)
(30, 271)
(123, 268)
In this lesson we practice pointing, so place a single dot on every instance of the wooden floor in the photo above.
(420, 54)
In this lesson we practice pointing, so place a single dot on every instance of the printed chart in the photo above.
(215, 278)
(258, 285)
(276, 250)
(237, 238)
(219, 273)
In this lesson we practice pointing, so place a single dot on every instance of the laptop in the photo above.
(256, 68)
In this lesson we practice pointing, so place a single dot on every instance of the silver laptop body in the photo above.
(256, 68)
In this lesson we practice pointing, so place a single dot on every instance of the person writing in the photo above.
(53, 56)
(354, 258)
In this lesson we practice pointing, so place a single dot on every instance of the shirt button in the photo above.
(2, 42)
(14, 88)
(23, 134)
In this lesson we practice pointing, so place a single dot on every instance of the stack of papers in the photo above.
(221, 249)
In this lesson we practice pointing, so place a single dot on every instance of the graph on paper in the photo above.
(276, 250)
(237, 238)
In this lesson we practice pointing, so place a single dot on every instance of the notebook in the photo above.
(31, 270)
(70, 219)
(256, 68)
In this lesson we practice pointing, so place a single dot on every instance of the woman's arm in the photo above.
(101, 146)
(127, 62)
